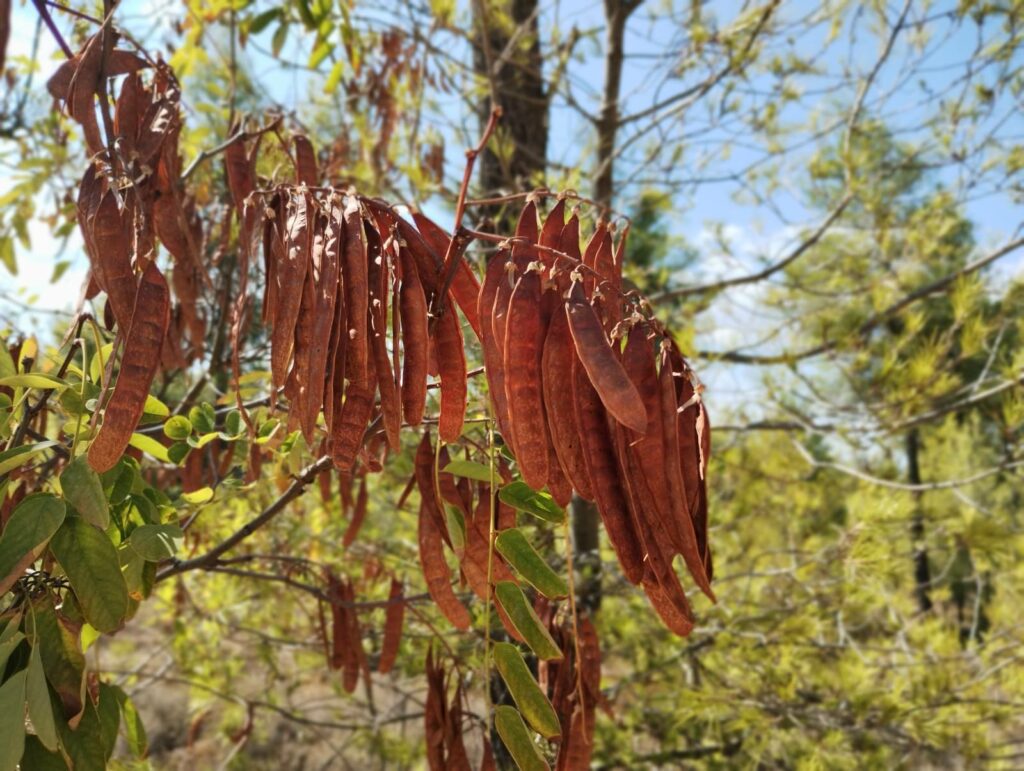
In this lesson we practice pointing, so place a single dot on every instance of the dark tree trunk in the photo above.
(922, 570)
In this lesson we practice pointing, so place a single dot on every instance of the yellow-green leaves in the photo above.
(32, 524)
(155, 542)
(90, 561)
(11, 459)
(524, 689)
(469, 469)
(520, 613)
(517, 739)
(40, 710)
(520, 554)
(84, 491)
(12, 721)
(520, 495)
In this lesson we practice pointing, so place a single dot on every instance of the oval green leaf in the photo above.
(469, 469)
(526, 693)
(155, 542)
(520, 495)
(520, 613)
(40, 709)
(11, 459)
(178, 428)
(520, 554)
(84, 491)
(150, 446)
(517, 739)
(32, 524)
(90, 561)
(12, 721)
(32, 380)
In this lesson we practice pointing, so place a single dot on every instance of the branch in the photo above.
(209, 559)
(717, 286)
(927, 290)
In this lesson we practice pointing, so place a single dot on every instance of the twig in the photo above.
(451, 257)
(48, 21)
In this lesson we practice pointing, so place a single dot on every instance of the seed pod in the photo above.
(551, 233)
(678, 472)
(672, 608)
(649, 455)
(493, 363)
(139, 364)
(569, 241)
(305, 161)
(350, 424)
(393, 618)
(358, 515)
(451, 362)
(557, 381)
(436, 572)
(356, 295)
(291, 278)
(602, 365)
(414, 341)
(377, 270)
(599, 456)
(524, 340)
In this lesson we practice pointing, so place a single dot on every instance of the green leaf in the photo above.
(85, 745)
(7, 648)
(12, 721)
(7, 255)
(150, 446)
(40, 709)
(526, 693)
(513, 546)
(177, 452)
(134, 730)
(32, 524)
(90, 561)
(155, 542)
(233, 424)
(520, 495)
(59, 269)
(203, 418)
(108, 710)
(520, 613)
(178, 428)
(470, 469)
(261, 21)
(37, 758)
(33, 380)
(98, 363)
(456, 522)
(279, 39)
(517, 739)
(18, 456)
(57, 638)
(84, 491)
(199, 497)
(155, 407)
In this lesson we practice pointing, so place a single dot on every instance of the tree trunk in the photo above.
(922, 570)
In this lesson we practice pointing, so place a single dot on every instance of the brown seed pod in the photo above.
(350, 424)
(524, 340)
(492, 349)
(602, 365)
(358, 515)
(681, 474)
(557, 381)
(305, 161)
(377, 274)
(648, 456)
(139, 364)
(393, 619)
(290, 273)
(356, 295)
(414, 341)
(464, 288)
(436, 572)
(602, 469)
(551, 232)
(451, 362)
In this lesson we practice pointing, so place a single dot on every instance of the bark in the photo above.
(922, 569)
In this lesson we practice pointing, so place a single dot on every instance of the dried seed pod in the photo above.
(451, 362)
(414, 341)
(139, 364)
(464, 288)
(305, 161)
(393, 619)
(436, 572)
(557, 381)
(290, 273)
(358, 515)
(492, 349)
(602, 365)
(377, 270)
(356, 295)
(350, 424)
(599, 456)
